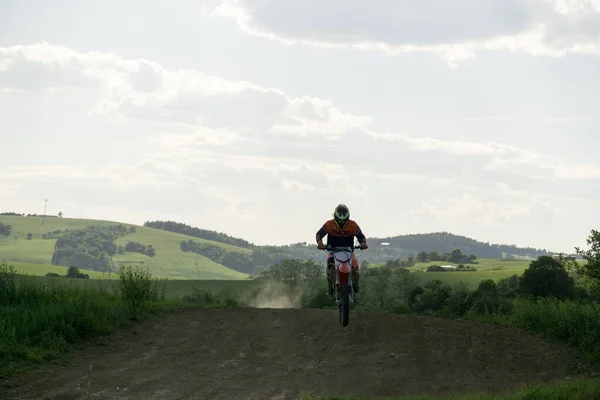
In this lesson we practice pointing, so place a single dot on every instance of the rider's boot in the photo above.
(329, 286)
(329, 280)
(355, 285)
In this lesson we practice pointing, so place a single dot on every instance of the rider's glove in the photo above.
(321, 246)
(363, 246)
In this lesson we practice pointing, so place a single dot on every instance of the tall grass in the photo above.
(569, 321)
(40, 319)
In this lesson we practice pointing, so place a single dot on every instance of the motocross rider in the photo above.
(341, 230)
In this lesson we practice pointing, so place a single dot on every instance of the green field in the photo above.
(43, 269)
(169, 261)
(486, 269)
(33, 257)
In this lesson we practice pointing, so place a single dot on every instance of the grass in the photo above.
(43, 269)
(470, 278)
(169, 261)
(487, 268)
(40, 319)
(484, 264)
(581, 389)
(568, 321)
(174, 289)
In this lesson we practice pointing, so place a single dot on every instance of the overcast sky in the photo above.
(256, 118)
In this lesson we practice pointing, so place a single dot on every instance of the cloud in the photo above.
(455, 30)
(381, 21)
(482, 211)
(220, 149)
(245, 126)
(308, 115)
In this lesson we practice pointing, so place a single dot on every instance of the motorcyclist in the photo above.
(341, 231)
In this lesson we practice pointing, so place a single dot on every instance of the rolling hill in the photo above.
(180, 251)
(169, 260)
(445, 242)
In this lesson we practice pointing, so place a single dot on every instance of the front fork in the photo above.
(337, 290)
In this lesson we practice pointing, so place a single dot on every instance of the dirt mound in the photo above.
(281, 354)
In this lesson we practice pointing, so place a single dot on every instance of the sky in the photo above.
(256, 118)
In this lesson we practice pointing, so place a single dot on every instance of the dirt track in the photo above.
(281, 354)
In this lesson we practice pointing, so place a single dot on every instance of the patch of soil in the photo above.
(281, 354)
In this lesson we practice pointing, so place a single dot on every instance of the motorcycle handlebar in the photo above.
(342, 248)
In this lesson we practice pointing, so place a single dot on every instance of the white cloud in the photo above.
(209, 146)
(454, 30)
(317, 116)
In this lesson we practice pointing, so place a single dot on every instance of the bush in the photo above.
(486, 299)
(73, 272)
(546, 277)
(435, 268)
(430, 297)
(509, 286)
(459, 301)
(137, 285)
(385, 289)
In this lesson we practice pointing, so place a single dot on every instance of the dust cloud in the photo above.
(277, 295)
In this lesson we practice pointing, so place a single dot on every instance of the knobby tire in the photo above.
(345, 305)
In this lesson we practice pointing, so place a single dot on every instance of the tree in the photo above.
(60, 214)
(29, 235)
(5, 229)
(73, 272)
(150, 252)
(422, 257)
(590, 271)
(456, 256)
(546, 277)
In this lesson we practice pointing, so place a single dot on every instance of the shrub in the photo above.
(486, 299)
(546, 277)
(385, 289)
(459, 301)
(73, 272)
(431, 297)
(137, 285)
(435, 268)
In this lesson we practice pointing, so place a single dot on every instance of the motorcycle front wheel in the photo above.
(344, 307)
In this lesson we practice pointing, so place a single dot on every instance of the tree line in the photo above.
(445, 242)
(94, 247)
(136, 247)
(184, 229)
(247, 263)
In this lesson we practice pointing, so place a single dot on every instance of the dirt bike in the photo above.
(343, 291)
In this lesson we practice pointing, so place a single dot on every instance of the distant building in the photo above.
(558, 255)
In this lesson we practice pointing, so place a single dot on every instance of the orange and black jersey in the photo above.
(340, 237)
